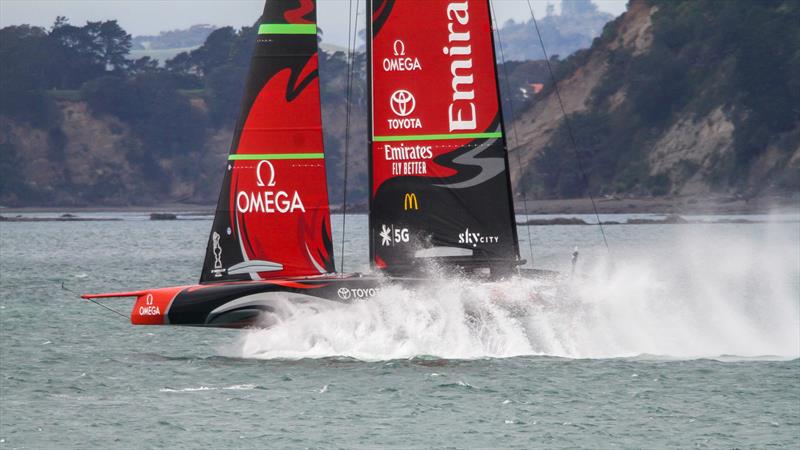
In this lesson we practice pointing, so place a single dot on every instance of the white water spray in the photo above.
(704, 295)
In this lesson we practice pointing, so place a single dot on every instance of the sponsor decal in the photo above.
(403, 103)
(217, 270)
(149, 309)
(359, 293)
(470, 238)
(461, 112)
(410, 201)
(391, 235)
(400, 62)
(408, 160)
(268, 200)
(407, 153)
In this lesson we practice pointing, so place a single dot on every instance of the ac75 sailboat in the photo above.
(439, 177)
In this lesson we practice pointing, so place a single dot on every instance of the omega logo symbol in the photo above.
(259, 180)
(149, 300)
(402, 103)
(399, 48)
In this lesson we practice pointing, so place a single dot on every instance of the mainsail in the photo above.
(272, 218)
(439, 176)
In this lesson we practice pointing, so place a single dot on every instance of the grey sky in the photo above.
(145, 17)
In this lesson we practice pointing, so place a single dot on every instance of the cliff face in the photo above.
(537, 125)
(656, 117)
(88, 159)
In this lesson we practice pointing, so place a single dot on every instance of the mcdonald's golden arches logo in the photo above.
(410, 201)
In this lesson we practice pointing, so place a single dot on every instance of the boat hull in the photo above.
(242, 304)
(261, 303)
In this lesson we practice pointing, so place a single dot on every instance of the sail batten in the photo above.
(283, 28)
(259, 156)
(437, 137)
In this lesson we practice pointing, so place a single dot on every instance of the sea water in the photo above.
(677, 335)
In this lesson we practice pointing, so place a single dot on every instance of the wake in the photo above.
(703, 296)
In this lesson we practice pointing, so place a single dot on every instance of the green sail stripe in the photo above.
(287, 28)
(437, 137)
(259, 156)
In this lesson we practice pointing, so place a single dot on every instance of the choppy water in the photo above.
(687, 335)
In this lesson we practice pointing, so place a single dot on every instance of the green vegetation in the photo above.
(170, 122)
(737, 55)
(173, 113)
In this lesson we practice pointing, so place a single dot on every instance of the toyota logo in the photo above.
(344, 293)
(402, 103)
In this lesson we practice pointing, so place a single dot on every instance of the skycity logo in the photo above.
(476, 238)
(268, 201)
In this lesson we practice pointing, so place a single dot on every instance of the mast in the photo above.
(272, 218)
(440, 185)
(368, 38)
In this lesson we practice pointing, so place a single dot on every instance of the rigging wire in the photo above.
(569, 127)
(64, 287)
(514, 129)
(348, 101)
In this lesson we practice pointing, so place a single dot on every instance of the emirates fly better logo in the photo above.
(402, 103)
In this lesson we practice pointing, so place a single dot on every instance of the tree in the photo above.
(72, 55)
(112, 43)
(215, 51)
(142, 65)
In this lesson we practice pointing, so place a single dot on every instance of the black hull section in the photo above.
(259, 303)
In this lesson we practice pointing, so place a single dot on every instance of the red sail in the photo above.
(440, 185)
(272, 218)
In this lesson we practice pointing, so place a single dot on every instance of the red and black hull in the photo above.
(259, 304)
(242, 304)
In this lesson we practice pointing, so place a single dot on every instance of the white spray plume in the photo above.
(707, 294)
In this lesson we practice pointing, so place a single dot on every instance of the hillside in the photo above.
(145, 133)
(675, 98)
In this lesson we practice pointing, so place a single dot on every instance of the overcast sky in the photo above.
(146, 17)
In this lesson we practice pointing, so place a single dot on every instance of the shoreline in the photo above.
(664, 206)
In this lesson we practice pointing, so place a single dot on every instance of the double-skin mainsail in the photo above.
(272, 218)
(439, 178)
